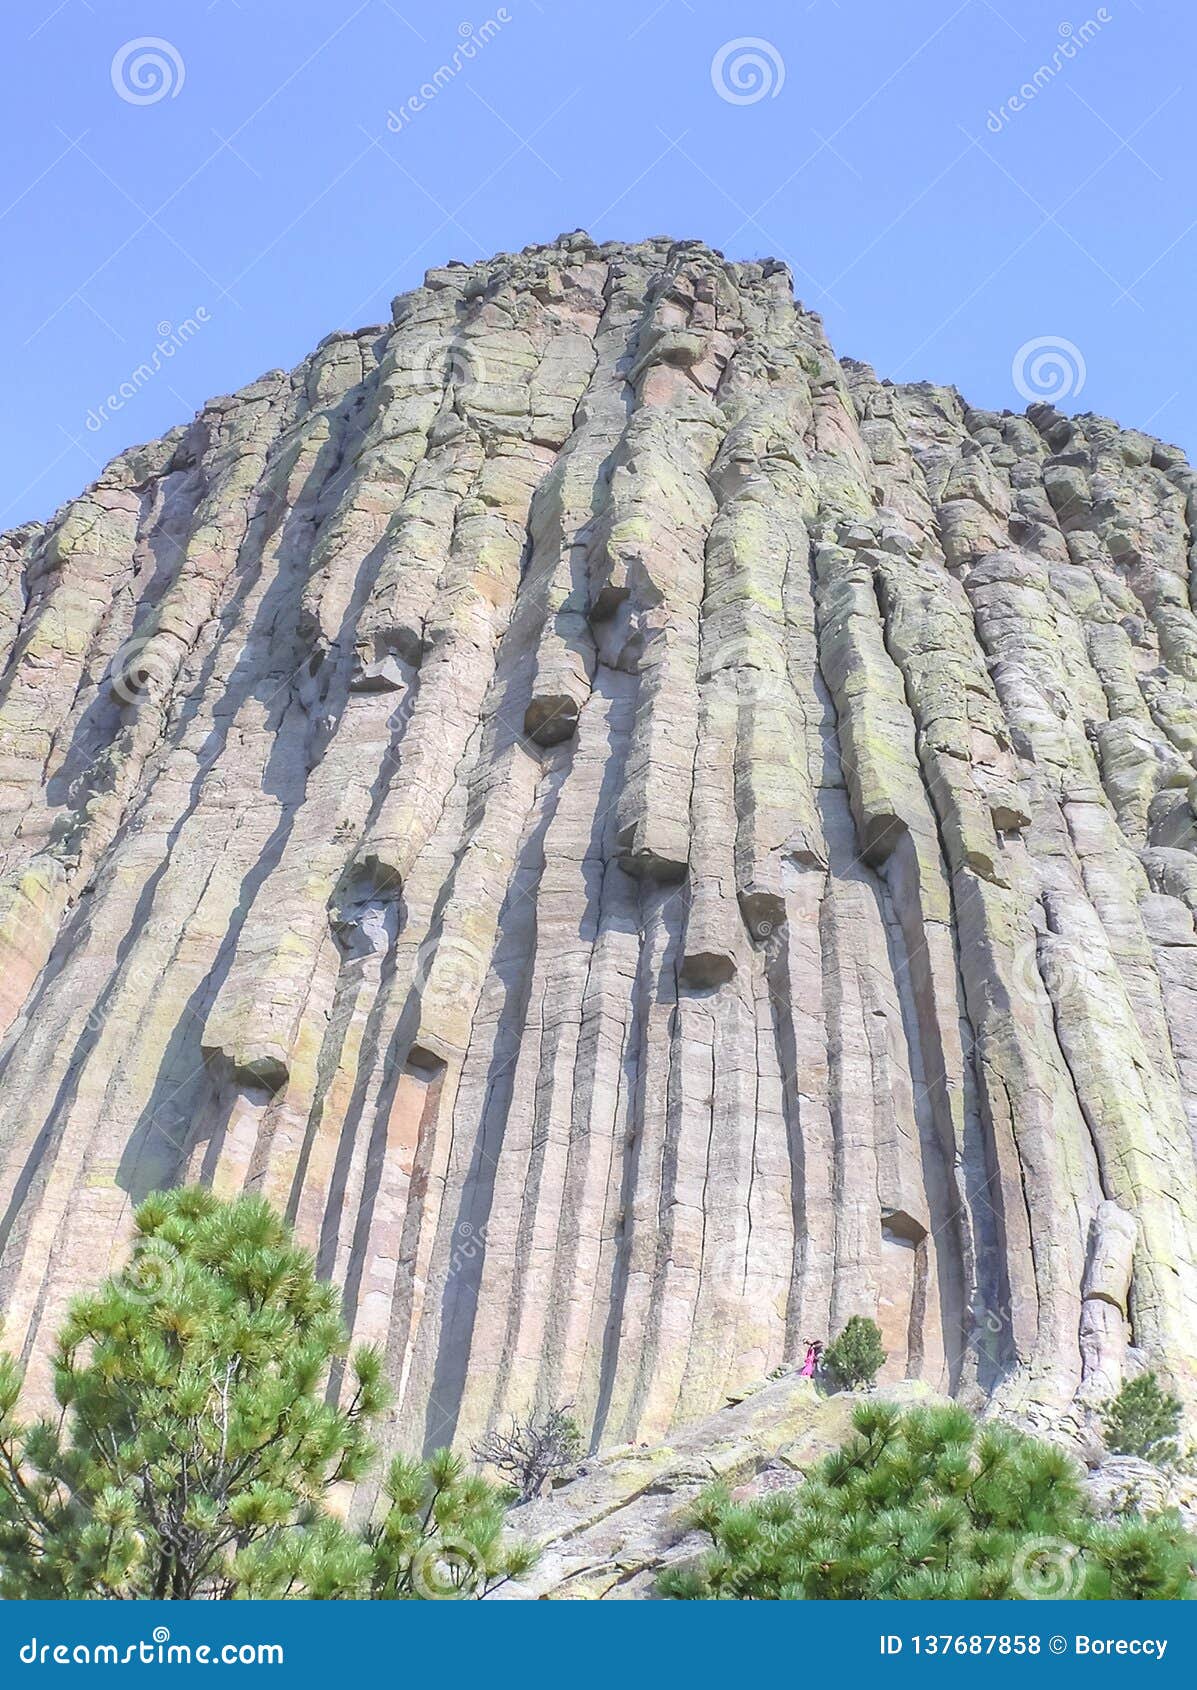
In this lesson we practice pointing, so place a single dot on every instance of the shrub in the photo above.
(927, 1504)
(532, 1451)
(854, 1358)
(1142, 1420)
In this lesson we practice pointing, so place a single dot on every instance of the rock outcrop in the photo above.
(606, 1531)
(643, 839)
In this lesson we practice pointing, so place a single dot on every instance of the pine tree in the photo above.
(196, 1452)
(442, 1534)
(854, 1358)
(928, 1504)
(1142, 1420)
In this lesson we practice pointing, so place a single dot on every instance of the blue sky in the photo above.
(252, 185)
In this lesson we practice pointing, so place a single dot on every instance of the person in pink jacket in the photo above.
(813, 1351)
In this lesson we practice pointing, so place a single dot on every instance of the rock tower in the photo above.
(642, 838)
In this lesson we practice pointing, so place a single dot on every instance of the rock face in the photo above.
(643, 839)
(606, 1532)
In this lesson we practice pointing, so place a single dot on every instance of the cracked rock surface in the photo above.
(607, 1531)
(642, 838)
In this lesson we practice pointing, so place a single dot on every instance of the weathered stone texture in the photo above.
(608, 1529)
(644, 839)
